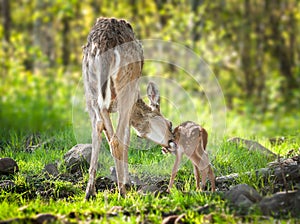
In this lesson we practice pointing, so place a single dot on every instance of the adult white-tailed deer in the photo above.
(191, 140)
(112, 64)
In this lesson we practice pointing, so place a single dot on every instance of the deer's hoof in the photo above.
(90, 197)
(122, 191)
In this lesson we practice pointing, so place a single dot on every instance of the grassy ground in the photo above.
(198, 207)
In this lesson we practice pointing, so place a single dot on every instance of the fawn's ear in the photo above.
(153, 96)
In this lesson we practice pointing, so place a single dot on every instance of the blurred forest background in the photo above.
(252, 46)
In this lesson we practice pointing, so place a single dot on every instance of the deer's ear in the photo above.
(153, 96)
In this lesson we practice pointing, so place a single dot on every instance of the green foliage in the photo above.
(246, 51)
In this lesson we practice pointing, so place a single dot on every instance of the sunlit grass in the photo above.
(33, 151)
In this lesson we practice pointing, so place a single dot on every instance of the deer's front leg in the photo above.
(175, 169)
(97, 129)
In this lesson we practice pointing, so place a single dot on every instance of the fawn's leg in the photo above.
(204, 174)
(175, 169)
(196, 160)
(197, 176)
(211, 177)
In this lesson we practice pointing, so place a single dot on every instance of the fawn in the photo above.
(191, 140)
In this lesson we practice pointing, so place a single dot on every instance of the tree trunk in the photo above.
(133, 4)
(162, 18)
(65, 41)
(196, 32)
(260, 43)
(246, 51)
(282, 51)
(6, 18)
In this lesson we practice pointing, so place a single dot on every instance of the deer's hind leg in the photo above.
(120, 140)
(97, 128)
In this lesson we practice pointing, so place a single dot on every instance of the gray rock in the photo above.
(252, 146)
(228, 178)
(78, 157)
(277, 140)
(174, 219)
(296, 211)
(242, 195)
(6, 184)
(51, 169)
(243, 201)
(8, 166)
(149, 189)
(281, 203)
(38, 219)
(45, 218)
(14, 220)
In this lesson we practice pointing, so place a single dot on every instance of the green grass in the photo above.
(136, 207)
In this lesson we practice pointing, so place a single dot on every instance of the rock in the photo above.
(174, 219)
(281, 203)
(115, 210)
(39, 219)
(6, 184)
(104, 183)
(252, 146)
(152, 188)
(296, 211)
(244, 201)
(78, 157)
(14, 220)
(243, 196)
(277, 140)
(51, 169)
(231, 178)
(8, 166)
(45, 218)
(133, 180)
(204, 209)
(282, 173)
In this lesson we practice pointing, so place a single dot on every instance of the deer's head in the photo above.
(149, 122)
